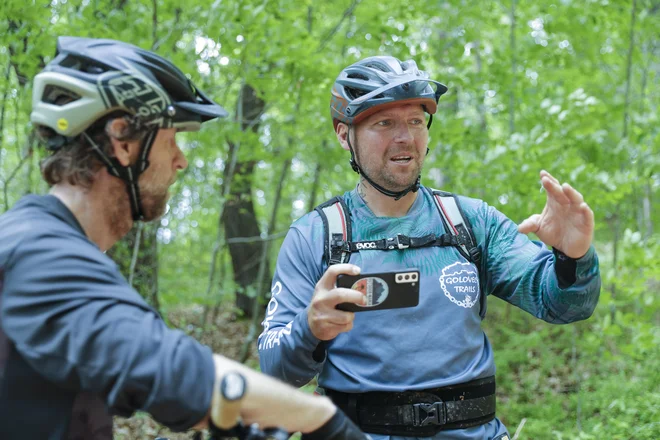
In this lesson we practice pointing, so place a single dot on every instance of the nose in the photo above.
(403, 133)
(180, 161)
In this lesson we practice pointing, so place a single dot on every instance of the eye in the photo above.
(417, 121)
(384, 123)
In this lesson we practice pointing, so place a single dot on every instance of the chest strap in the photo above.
(420, 413)
(399, 242)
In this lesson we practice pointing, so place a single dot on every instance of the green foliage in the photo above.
(563, 86)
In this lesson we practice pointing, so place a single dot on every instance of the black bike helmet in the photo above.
(374, 84)
(98, 77)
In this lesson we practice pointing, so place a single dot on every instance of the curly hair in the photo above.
(76, 162)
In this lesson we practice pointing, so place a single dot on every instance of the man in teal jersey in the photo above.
(424, 371)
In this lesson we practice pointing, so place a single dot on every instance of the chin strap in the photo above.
(129, 174)
(395, 194)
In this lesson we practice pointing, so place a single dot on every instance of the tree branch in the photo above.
(154, 24)
(13, 174)
(2, 110)
(136, 251)
(631, 46)
(347, 13)
(255, 238)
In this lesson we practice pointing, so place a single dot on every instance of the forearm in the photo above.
(272, 403)
(572, 293)
(287, 352)
(531, 277)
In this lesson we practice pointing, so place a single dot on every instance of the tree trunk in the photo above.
(514, 68)
(145, 268)
(239, 217)
(311, 203)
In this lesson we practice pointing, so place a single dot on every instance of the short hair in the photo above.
(76, 162)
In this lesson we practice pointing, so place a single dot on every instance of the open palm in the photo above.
(566, 223)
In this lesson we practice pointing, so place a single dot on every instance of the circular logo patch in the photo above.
(62, 124)
(460, 283)
(375, 289)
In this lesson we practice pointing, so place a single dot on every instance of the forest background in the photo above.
(569, 86)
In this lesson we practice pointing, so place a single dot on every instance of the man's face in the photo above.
(390, 145)
(165, 159)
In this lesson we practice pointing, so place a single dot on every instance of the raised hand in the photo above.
(325, 321)
(566, 223)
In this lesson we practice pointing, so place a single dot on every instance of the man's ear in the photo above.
(125, 151)
(342, 135)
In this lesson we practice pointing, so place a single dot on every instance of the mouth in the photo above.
(401, 159)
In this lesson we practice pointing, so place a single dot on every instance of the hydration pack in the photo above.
(339, 245)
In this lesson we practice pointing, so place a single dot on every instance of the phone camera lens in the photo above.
(414, 277)
(407, 277)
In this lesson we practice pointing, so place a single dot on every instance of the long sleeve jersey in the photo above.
(77, 343)
(439, 342)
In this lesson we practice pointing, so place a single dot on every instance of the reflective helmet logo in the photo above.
(62, 124)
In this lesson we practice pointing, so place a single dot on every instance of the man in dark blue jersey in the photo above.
(424, 371)
(77, 343)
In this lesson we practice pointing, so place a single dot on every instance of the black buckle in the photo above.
(340, 245)
(400, 241)
(475, 253)
(432, 413)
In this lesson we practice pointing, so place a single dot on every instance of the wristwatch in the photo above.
(233, 386)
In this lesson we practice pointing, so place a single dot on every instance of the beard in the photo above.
(384, 174)
(154, 198)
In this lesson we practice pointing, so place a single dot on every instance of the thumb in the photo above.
(531, 224)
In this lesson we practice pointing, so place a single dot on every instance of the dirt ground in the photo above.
(225, 336)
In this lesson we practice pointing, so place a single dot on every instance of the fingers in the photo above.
(329, 278)
(563, 193)
(326, 323)
(588, 216)
(530, 224)
(342, 295)
(554, 190)
(573, 195)
(544, 173)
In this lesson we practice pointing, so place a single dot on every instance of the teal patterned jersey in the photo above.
(440, 342)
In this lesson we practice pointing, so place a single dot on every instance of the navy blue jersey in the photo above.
(438, 343)
(77, 343)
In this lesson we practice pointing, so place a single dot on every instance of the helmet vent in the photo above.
(353, 93)
(58, 95)
(358, 76)
(83, 65)
(376, 66)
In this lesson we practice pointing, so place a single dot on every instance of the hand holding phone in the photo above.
(385, 290)
(325, 321)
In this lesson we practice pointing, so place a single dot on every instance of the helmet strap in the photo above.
(356, 167)
(129, 174)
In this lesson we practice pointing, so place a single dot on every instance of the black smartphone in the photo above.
(386, 290)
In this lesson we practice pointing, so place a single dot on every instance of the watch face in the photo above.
(232, 386)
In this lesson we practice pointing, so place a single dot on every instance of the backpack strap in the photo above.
(337, 229)
(457, 224)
